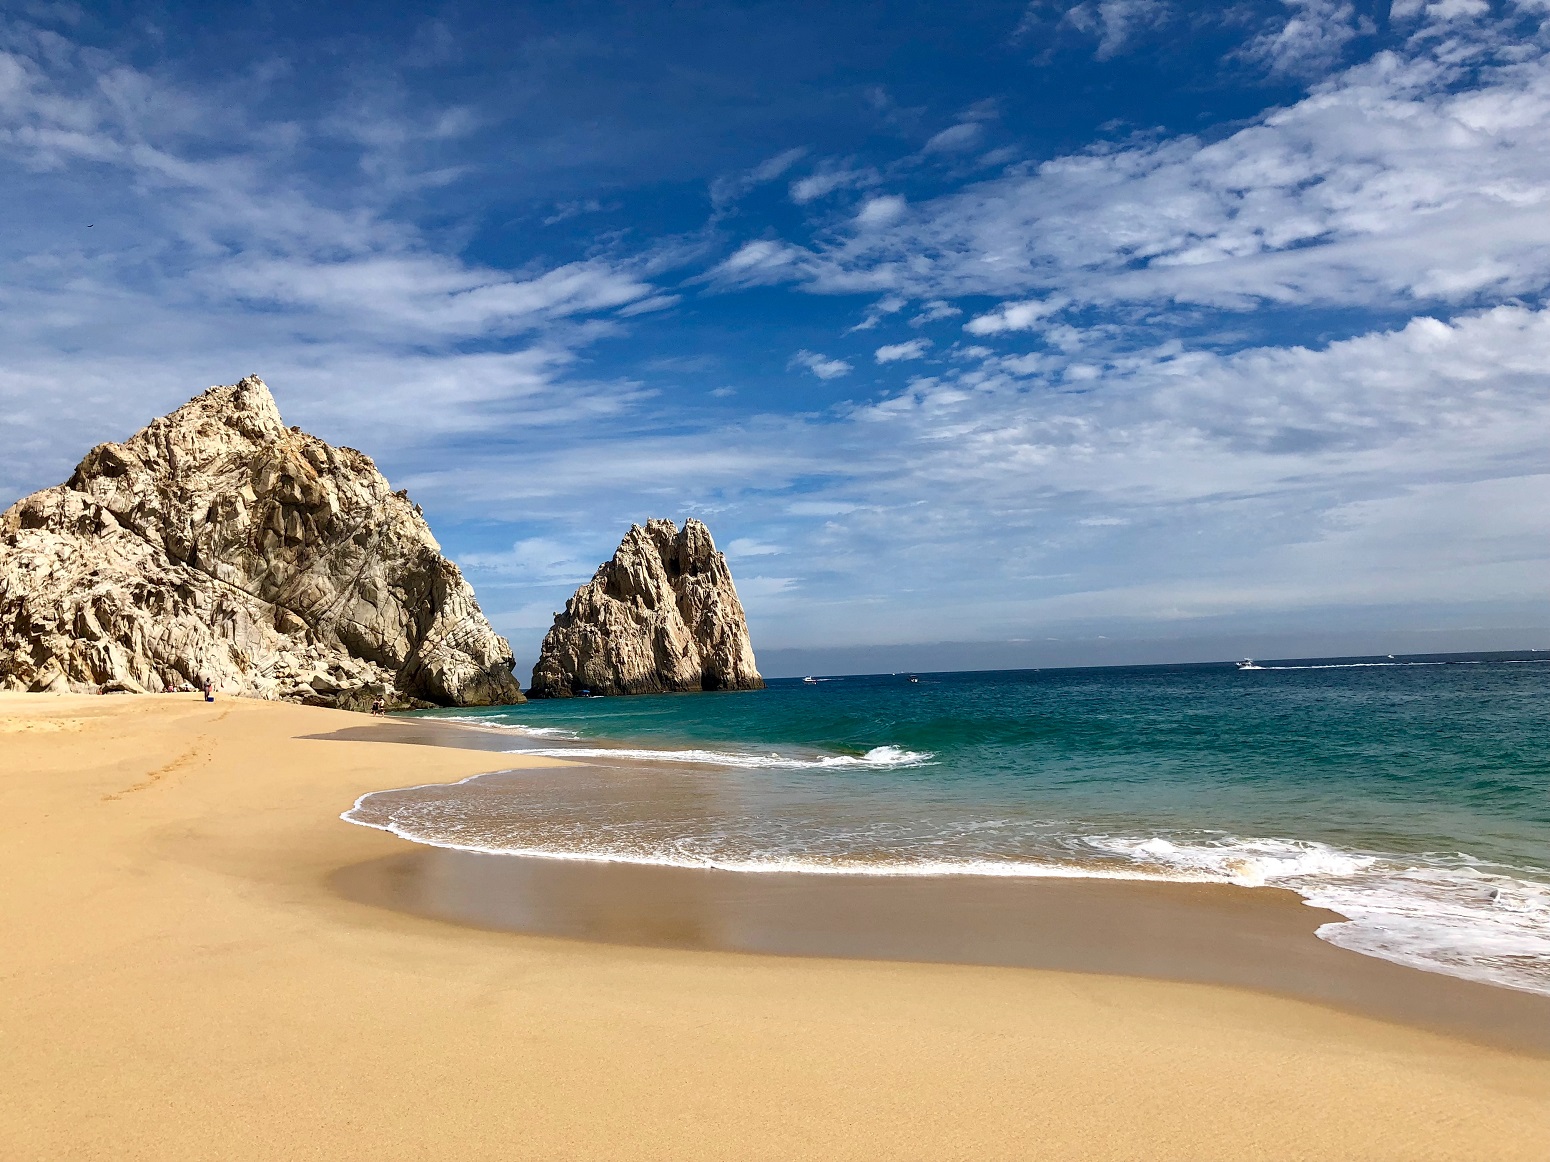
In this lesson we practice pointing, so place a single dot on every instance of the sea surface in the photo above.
(1411, 795)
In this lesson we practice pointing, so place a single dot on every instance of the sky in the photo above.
(996, 334)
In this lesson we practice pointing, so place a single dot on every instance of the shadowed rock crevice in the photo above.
(662, 615)
(218, 543)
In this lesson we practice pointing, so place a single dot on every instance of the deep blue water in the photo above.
(1411, 795)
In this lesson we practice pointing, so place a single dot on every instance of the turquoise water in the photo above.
(1410, 795)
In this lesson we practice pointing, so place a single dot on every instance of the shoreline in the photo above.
(184, 981)
(1259, 937)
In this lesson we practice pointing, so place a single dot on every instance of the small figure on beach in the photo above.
(379, 705)
(209, 690)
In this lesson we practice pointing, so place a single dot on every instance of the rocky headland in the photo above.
(661, 615)
(219, 544)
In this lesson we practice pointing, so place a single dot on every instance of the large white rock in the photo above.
(217, 543)
(661, 615)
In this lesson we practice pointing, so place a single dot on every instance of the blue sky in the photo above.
(1046, 325)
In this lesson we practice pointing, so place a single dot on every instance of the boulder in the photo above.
(661, 615)
(218, 543)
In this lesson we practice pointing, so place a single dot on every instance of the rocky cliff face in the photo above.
(662, 615)
(217, 543)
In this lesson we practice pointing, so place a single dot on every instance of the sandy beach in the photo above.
(185, 978)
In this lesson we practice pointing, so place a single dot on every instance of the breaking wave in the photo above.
(878, 758)
(1443, 913)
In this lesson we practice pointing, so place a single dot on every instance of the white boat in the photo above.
(810, 680)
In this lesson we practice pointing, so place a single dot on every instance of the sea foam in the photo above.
(1439, 913)
(1358, 787)
(878, 758)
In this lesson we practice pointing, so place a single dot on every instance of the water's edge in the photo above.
(1401, 797)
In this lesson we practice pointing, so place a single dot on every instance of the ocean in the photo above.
(1410, 795)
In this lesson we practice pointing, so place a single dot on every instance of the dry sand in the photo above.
(179, 980)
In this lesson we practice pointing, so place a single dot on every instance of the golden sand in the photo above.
(178, 981)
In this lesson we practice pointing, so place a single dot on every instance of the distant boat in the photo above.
(810, 680)
(1248, 664)
(913, 678)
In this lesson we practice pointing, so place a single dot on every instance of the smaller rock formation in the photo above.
(662, 615)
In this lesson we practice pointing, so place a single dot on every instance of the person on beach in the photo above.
(379, 705)
(209, 690)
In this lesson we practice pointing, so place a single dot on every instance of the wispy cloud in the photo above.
(1268, 368)
(750, 547)
(199, 252)
(955, 138)
(828, 178)
(1117, 23)
(1020, 316)
(900, 352)
(1394, 181)
(726, 190)
(880, 310)
(820, 365)
(934, 311)
(1311, 40)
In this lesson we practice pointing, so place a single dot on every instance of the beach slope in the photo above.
(180, 981)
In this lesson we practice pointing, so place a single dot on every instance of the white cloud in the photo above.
(1086, 466)
(649, 305)
(761, 588)
(880, 211)
(427, 295)
(1116, 23)
(564, 211)
(726, 190)
(210, 256)
(933, 311)
(899, 352)
(1021, 316)
(820, 365)
(1180, 484)
(955, 138)
(1439, 10)
(760, 261)
(829, 178)
(535, 560)
(881, 309)
(1423, 178)
(772, 168)
(750, 547)
(1311, 39)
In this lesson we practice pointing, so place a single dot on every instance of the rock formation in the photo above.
(662, 615)
(216, 543)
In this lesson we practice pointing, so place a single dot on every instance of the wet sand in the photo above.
(181, 979)
(1255, 938)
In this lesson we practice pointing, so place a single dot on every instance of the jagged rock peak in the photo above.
(218, 543)
(661, 615)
